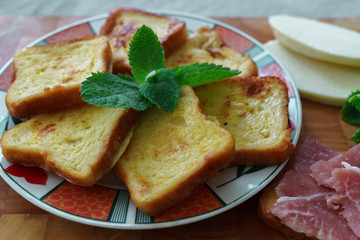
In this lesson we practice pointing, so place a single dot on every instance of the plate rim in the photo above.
(179, 222)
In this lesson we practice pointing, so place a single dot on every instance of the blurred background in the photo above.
(216, 8)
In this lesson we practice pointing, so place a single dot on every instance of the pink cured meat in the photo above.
(310, 215)
(311, 151)
(346, 182)
(342, 174)
(302, 203)
(321, 170)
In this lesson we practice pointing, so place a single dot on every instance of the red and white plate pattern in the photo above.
(108, 204)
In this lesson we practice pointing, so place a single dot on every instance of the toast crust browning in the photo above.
(150, 193)
(206, 45)
(120, 31)
(163, 202)
(52, 98)
(113, 147)
(284, 148)
(255, 111)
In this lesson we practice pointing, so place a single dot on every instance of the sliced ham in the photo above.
(311, 151)
(321, 170)
(346, 182)
(310, 215)
(342, 174)
(302, 203)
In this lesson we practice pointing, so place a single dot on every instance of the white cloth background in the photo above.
(216, 8)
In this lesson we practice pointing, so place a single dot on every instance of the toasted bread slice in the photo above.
(80, 144)
(171, 153)
(255, 111)
(206, 45)
(48, 78)
(122, 24)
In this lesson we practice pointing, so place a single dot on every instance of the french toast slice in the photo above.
(206, 45)
(122, 24)
(255, 111)
(81, 143)
(48, 78)
(171, 153)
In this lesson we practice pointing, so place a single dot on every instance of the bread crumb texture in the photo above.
(206, 45)
(70, 141)
(41, 68)
(254, 110)
(167, 149)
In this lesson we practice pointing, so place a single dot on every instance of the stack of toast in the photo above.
(160, 156)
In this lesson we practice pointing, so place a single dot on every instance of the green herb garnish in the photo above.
(151, 82)
(356, 137)
(350, 112)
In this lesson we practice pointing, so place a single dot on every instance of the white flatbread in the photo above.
(319, 81)
(317, 39)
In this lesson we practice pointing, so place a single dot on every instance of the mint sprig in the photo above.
(162, 90)
(151, 82)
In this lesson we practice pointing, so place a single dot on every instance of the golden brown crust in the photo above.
(116, 138)
(206, 45)
(176, 37)
(209, 170)
(284, 149)
(258, 87)
(27, 158)
(178, 193)
(56, 98)
(251, 67)
(119, 66)
(50, 100)
(104, 163)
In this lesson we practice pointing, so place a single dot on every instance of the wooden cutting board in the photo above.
(20, 219)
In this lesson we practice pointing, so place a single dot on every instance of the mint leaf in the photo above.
(202, 73)
(152, 83)
(354, 100)
(356, 137)
(161, 89)
(145, 54)
(109, 90)
(350, 112)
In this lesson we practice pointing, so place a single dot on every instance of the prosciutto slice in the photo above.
(297, 180)
(342, 174)
(302, 203)
(346, 182)
(321, 171)
(310, 215)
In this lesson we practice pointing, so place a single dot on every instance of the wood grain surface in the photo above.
(20, 219)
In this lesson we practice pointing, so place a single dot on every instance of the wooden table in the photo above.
(20, 219)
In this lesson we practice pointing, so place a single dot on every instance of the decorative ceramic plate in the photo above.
(108, 204)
